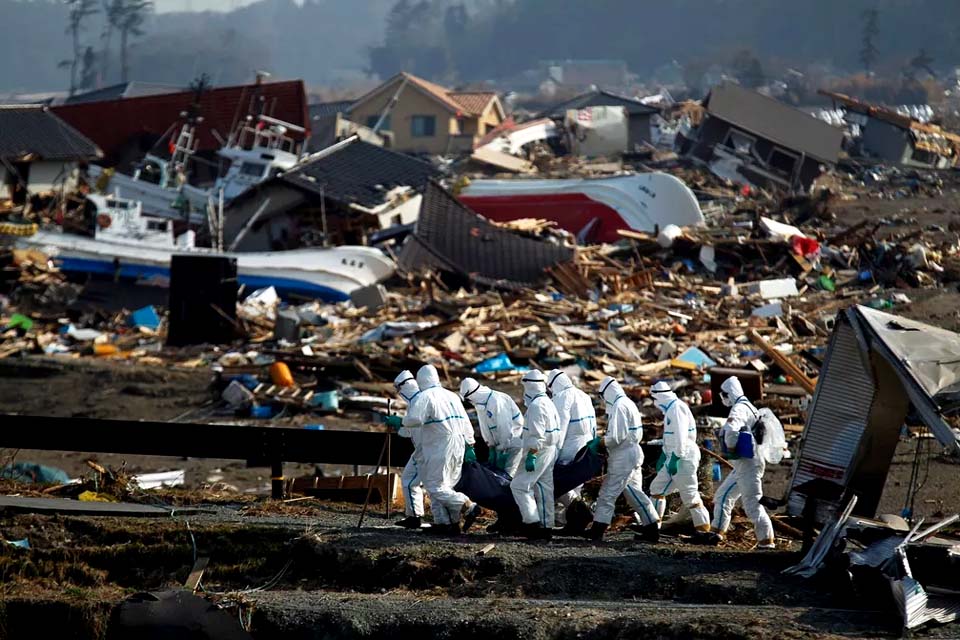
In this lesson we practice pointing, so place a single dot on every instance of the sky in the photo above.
(164, 6)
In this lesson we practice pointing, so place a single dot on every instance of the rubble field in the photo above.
(331, 580)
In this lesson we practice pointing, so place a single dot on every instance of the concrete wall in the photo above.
(885, 141)
(44, 176)
(639, 130)
(47, 176)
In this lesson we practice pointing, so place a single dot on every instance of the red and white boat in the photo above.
(591, 209)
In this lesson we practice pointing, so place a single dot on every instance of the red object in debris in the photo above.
(804, 246)
(571, 211)
(745, 190)
(707, 396)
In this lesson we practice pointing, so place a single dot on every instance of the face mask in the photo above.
(725, 399)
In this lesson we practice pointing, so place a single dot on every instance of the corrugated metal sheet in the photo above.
(837, 418)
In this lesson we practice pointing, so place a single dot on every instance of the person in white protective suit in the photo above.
(533, 485)
(446, 443)
(412, 478)
(578, 424)
(680, 459)
(501, 423)
(624, 462)
(745, 481)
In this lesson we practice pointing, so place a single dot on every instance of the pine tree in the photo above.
(868, 52)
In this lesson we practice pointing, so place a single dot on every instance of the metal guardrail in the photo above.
(267, 446)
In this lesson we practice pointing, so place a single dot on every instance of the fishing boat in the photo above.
(126, 243)
(257, 150)
(592, 209)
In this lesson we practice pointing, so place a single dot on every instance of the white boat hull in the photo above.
(329, 274)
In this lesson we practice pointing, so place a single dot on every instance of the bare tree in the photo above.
(127, 17)
(79, 11)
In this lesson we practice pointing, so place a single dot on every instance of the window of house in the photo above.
(783, 161)
(739, 142)
(372, 122)
(423, 126)
(252, 169)
(157, 225)
(923, 156)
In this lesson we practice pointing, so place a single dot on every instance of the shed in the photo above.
(639, 114)
(876, 368)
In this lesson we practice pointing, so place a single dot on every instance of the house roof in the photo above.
(451, 237)
(123, 90)
(33, 132)
(775, 121)
(357, 172)
(600, 98)
(472, 103)
(115, 124)
(322, 109)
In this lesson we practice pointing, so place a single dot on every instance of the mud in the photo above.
(330, 580)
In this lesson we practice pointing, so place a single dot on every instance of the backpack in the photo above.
(768, 432)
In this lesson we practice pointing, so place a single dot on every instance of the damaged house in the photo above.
(339, 195)
(753, 139)
(423, 117)
(894, 138)
(39, 152)
(452, 239)
(639, 115)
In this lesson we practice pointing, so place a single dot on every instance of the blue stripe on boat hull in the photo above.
(143, 271)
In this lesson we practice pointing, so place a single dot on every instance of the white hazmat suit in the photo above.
(532, 487)
(578, 424)
(412, 477)
(681, 457)
(745, 481)
(624, 457)
(501, 423)
(446, 433)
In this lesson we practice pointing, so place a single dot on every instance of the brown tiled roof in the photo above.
(469, 102)
(472, 102)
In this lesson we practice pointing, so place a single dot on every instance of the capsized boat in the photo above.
(592, 209)
(256, 150)
(129, 244)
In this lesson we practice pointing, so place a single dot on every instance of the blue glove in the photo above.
(674, 464)
(393, 421)
(661, 460)
(492, 457)
(530, 464)
(469, 455)
(594, 445)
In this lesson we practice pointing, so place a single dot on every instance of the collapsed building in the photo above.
(639, 115)
(878, 369)
(891, 137)
(39, 152)
(340, 195)
(753, 139)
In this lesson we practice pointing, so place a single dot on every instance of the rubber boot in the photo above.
(596, 531)
(470, 517)
(708, 538)
(410, 522)
(767, 544)
(646, 533)
(536, 531)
